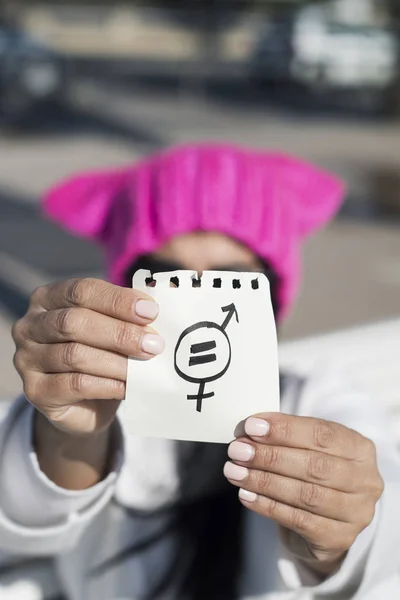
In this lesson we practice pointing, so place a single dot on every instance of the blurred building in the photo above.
(165, 29)
(129, 30)
(358, 12)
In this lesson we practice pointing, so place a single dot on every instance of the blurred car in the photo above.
(325, 55)
(30, 74)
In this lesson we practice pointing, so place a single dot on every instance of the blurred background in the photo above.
(93, 84)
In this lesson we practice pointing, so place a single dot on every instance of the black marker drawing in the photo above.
(213, 346)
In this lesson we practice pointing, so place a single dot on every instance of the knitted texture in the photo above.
(268, 201)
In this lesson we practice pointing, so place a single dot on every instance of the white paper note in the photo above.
(220, 364)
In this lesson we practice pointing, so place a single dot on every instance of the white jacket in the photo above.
(51, 539)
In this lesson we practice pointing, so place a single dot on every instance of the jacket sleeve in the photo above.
(374, 557)
(36, 516)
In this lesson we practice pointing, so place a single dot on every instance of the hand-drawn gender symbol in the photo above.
(194, 351)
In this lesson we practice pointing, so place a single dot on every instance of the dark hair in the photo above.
(211, 526)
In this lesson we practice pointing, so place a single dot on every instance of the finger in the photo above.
(73, 357)
(311, 497)
(305, 465)
(100, 296)
(306, 432)
(64, 389)
(318, 530)
(93, 329)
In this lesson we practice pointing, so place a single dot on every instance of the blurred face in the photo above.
(203, 251)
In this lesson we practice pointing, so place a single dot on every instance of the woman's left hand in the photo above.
(318, 480)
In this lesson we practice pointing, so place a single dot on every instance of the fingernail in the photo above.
(153, 344)
(256, 427)
(148, 309)
(247, 496)
(240, 451)
(235, 472)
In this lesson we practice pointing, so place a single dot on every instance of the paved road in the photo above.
(351, 270)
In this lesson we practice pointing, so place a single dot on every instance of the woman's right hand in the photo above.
(72, 348)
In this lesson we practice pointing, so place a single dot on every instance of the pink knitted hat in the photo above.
(265, 200)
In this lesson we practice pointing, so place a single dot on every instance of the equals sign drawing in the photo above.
(199, 357)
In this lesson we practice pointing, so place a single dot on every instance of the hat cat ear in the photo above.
(316, 194)
(83, 203)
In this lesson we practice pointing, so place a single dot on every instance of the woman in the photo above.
(122, 517)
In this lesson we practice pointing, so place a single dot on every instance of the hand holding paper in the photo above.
(72, 349)
(71, 352)
(318, 480)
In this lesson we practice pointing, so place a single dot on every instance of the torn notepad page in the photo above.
(220, 364)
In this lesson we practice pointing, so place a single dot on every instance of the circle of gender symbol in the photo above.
(203, 354)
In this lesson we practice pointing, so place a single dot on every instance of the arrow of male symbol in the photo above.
(231, 310)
